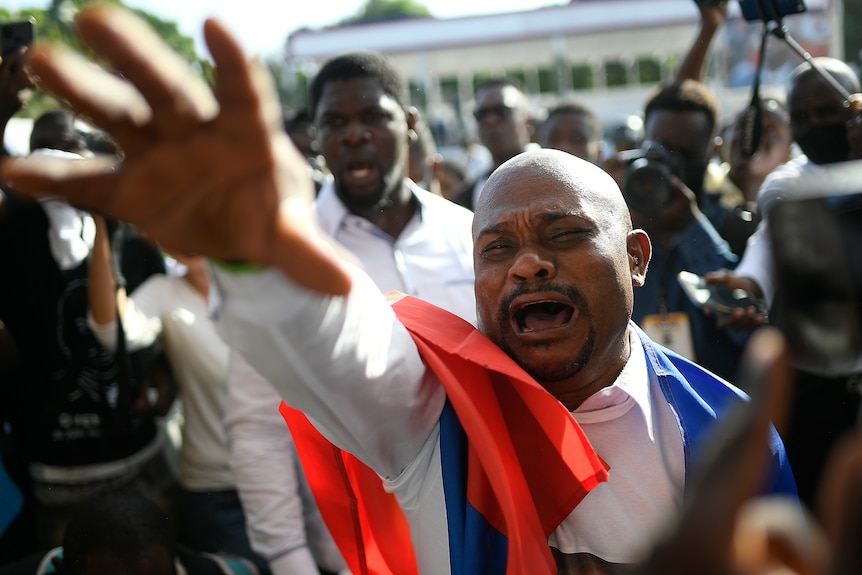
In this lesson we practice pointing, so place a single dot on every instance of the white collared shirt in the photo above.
(431, 259)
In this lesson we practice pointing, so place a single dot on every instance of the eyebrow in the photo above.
(544, 218)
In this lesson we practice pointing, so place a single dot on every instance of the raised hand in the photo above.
(203, 172)
(749, 318)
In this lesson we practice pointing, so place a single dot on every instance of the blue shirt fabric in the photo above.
(698, 250)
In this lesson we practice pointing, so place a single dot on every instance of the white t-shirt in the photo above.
(355, 371)
(169, 308)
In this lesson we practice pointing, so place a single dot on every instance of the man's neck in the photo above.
(601, 372)
(393, 216)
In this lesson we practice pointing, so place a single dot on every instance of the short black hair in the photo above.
(500, 82)
(300, 119)
(55, 129)
(578, 108)
(683, 96)
(360, 64)
(125, 525)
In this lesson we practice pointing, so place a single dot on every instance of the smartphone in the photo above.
(766, 10)
(15, 34)
(717, 297)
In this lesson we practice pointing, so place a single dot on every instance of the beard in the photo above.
(379, 198)
(540, 369)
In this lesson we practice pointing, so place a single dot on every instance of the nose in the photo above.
(531, 265)
(356, 132)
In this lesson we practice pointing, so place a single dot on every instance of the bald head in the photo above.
(819, 113)
(591, 183)
(556, 261)
(836, 68)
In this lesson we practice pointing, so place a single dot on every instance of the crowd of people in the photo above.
(240, 339)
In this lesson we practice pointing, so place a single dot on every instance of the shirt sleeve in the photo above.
(757, 263)
(346, 362)
(267, 473)
(142, 323)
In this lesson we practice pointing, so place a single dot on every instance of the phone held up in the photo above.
(714, 296)
(770, 10)
(15, 34)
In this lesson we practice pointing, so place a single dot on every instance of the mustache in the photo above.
(569, 292)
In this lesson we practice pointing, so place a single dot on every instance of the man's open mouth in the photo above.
(359, 171)
(542, 315)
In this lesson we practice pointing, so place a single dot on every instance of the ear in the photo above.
(640, 252)
(315, 141)
(413, 122)
(531, 125)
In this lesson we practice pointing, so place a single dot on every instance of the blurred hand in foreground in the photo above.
(204, 171)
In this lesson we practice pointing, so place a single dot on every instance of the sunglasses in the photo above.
(502, 111)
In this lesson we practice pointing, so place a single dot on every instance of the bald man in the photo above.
(555, 438)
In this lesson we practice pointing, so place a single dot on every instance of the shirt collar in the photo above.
(633, 382)
(331, 211)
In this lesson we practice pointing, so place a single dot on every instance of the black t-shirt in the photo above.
(64, 398)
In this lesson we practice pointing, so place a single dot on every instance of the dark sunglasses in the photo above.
(502, 111)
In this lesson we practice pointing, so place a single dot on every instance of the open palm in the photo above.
(203, 171)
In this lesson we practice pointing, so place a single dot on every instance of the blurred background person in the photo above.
(173, 309)
(505, 127)
(572, 127)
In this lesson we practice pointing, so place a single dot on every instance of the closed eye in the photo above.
(495, 250)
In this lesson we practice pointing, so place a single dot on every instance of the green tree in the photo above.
(56, 23)
(376, 10)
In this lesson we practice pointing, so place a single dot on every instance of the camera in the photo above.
(646, 184)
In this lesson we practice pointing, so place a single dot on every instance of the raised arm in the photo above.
(204, 172)
(104, 297)
(712, 15)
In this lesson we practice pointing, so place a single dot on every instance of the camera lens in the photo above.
(646, 186)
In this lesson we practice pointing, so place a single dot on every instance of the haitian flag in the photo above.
(515, 462)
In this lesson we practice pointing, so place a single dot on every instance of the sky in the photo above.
(262, 26)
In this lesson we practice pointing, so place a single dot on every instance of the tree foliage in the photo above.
(56, 24)
(377, 10)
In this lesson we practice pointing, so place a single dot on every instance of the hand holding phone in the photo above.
(714, 296)
(767, 10)
(16, 34)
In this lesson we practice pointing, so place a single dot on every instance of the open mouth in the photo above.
(360, 171)
(543, 315)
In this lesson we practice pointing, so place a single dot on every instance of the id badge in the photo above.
(671, 330)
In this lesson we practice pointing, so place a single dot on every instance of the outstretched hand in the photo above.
(203, 171)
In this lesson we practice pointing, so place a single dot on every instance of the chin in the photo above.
(547, 365)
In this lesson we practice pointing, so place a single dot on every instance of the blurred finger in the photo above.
(178, 96)
(84, 183)
(242, 86)
(109, 102)
(733, 468)
(839, 505)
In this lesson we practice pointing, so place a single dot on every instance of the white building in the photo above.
(605, 53)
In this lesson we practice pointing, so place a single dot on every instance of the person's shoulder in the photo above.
(704, 383)
(777, 182)
(440, 208)
(157, 284)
